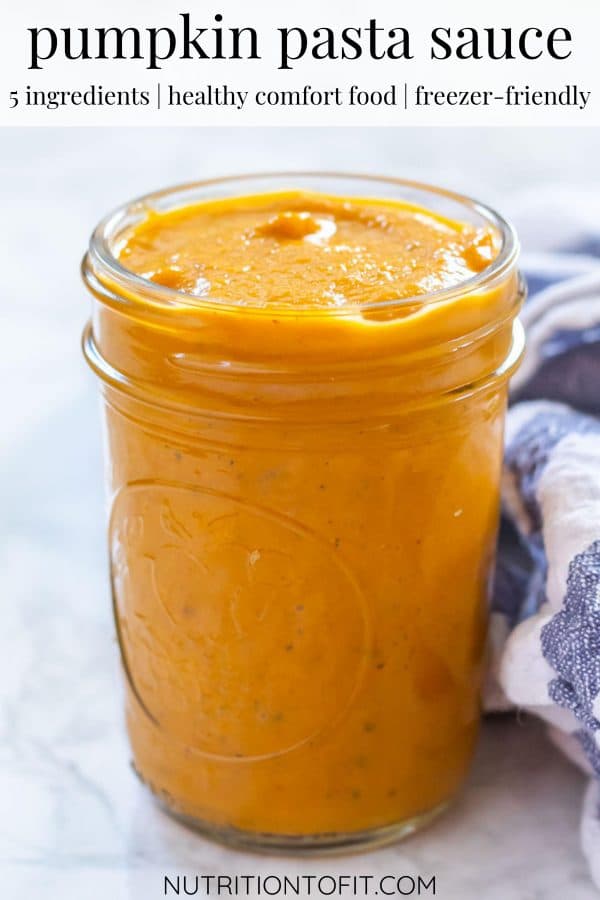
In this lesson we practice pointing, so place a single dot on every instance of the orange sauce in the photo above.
(304, 507)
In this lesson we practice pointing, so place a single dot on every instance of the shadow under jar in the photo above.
(303, 513)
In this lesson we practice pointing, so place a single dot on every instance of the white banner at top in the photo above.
(335, 63)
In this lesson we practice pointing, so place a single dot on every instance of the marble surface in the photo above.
(74, 822)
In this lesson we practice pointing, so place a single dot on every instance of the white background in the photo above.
(74, 823)
(582, 17)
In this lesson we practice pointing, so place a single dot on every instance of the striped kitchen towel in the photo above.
(545, 630)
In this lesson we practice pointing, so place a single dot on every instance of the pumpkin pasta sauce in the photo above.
(306, 249)
(302, 610)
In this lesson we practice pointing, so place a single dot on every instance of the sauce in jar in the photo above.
(305, 396)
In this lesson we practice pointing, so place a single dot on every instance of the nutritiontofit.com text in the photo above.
(299, 886)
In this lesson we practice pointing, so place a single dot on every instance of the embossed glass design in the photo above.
(301, 541)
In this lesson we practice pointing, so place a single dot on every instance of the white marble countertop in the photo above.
(75, 823)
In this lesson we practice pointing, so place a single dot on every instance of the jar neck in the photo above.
(205, 354)
(236, 362)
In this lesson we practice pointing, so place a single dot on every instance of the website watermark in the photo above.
(405, 885)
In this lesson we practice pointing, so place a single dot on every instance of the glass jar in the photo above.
(303, 514)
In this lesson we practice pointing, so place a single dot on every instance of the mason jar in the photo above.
(303, 515)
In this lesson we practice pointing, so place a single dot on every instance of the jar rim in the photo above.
(101, 265)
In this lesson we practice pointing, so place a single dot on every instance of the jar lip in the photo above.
(101, 263)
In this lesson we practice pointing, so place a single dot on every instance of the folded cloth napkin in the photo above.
(545, 629)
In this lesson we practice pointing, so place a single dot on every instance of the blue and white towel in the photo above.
(545, 630)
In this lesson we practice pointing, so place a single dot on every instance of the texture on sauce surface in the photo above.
(299, 248)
